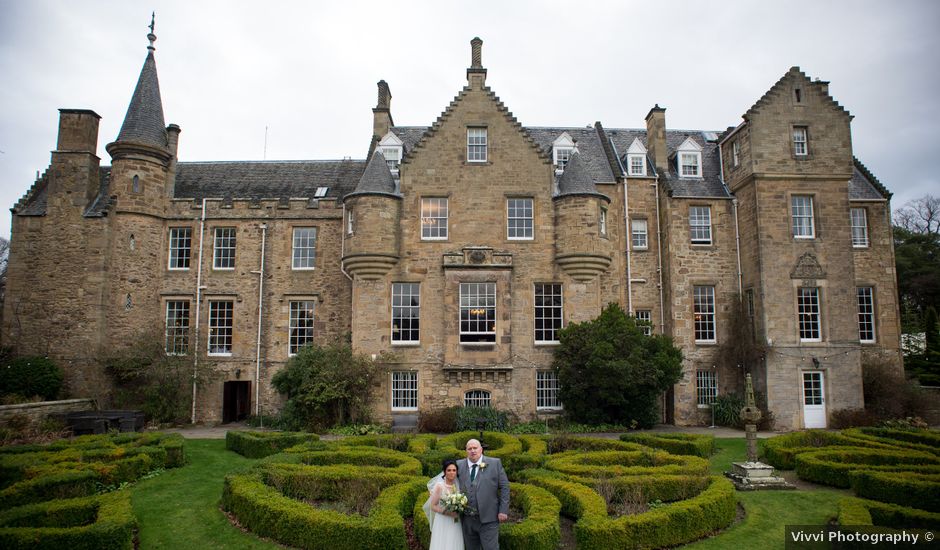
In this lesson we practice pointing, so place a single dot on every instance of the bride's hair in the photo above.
(447, 462)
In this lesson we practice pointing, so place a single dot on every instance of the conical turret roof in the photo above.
(144, 121)
(376, 179)
(576, 180)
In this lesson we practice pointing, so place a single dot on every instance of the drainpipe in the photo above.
(626, 226)
(260, 273)
(659, 258)
(737, 232)
(342, 246)
(199, 288)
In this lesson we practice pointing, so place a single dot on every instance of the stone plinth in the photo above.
(755, 476)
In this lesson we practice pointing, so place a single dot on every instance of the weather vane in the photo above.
(153, 16)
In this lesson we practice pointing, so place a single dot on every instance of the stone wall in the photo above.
(37, 412)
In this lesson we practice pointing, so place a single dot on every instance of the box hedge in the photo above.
(262, 444)
(780, 451)
(606, 464)
(859, 511)
(832, 466)
(675, 443)
(918, 440)
(904, 488)
(89, 523)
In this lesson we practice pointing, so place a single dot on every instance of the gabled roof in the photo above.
(781, 87)
(376, 179)
(143, 122)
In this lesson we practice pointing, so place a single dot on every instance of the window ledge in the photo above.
(406, 344)
(302, 268)
(547, 343)
(219, 354)
(706, 342)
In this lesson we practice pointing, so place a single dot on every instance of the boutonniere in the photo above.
(482, 465)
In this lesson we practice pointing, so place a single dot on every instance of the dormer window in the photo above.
(391, 148)
(689, 159)
(636, 159)
(562, 148)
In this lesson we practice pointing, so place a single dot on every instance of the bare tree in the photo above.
(920, 215)
(4, 253)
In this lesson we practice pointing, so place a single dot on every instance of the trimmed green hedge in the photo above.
(262, 444)
(832, 466)
(498, 445)
(904, 488)
(919, 440)
(780, 451)
(413, 444)
(675, 443)
(90, 523)
(606, 464)
(859, 511)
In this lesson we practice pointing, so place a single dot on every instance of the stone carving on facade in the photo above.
(807, 267)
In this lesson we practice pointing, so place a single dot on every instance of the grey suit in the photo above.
(488, 496)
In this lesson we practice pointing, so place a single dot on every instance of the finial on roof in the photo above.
(476, 53)
(150, 36)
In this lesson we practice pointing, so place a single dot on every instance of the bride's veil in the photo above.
(427, 504)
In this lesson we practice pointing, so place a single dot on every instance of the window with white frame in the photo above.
(180, 247)
(807, 304)
(304, 252)
(300, 324)
(177, 327)
(689, 165)
(644, 319)
(700, 224)
(866, 314)
(859, 218)
(637, 165)
(433, 218)
(602, 221)
(392, 157)
(801, 213)
(549, 305)
(404, 391)
(519, 219)
(477, 313)
(221, 326)
(706, 387)
(640, 236)
(476, 144)
(223, 252)
(406, 313)
(800, 147)
(476, 398)
(562, 148)
(350, 222)
(546, 390)
(735, 153)
(321, 192)
(703, 309)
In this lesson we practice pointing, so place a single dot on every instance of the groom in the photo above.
(487, 488)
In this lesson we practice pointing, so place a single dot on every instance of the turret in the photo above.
(373, 214)
(583, 249)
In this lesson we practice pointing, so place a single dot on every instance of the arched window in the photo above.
(135, 185)
(476, 398)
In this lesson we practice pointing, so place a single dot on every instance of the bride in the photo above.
(446, 533)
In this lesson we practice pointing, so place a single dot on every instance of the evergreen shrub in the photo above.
(30, 376)
(676, 443)
(262, 444)
(89, 523)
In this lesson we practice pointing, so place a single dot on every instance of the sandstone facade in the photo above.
(455, 251)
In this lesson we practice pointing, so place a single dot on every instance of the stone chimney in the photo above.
(78, 131)
(173, 140)
(476, 74)
(656, 138)
(75, 160)
(382, 113)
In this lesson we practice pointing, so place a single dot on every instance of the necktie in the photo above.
(473, 473)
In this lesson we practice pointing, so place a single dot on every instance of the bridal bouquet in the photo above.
(455, 502)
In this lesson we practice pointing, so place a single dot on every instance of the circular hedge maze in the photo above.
(59, 495)
(895, 473)
(366, 492)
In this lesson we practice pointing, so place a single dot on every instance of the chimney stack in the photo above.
(656, 138)
(173, 139)
(476, 74)
(382, 113)
(78, 131)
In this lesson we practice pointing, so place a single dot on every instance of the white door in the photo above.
(814, 400)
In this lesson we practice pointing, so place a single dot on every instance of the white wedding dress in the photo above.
(446, 534)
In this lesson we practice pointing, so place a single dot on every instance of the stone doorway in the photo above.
(236, 401)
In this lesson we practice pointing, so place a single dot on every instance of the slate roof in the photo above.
(266, 179)
(864, 186)
(143, 122)
(409, 135)
(590, 148)
(376, 179)
(576, 179)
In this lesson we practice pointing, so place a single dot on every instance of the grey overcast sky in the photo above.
(307, 71)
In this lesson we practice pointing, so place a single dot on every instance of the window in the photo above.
(519, 219)
(866, 314)
(433, 219)
(350, 223)
(706, 387)
(180, 247)
(548, 312)
(859, 218)
(703, 308)
(305, 248)
(644, 319)
(797, 95)
(799, 141)
(749, 302)
(602, 221)
(221, 323)
(546, 390)
(404, 391)
(700, 224)
(801, 207)
(476, 398)
(476, 144)
(223, 256)
(689, 165)
(807, 303)
(637, 165)
(300, 325)
(477, 313)
(135, 185)
(735, 154)
(406, 313)
(177, 327)
(320, 192)
(640, 237)
(392, 157)
(562, 156)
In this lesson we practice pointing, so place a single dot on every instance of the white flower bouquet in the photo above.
(454, 502)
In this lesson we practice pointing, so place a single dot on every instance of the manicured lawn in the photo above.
(179, 509)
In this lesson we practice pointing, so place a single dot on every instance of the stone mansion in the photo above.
(463, 247)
